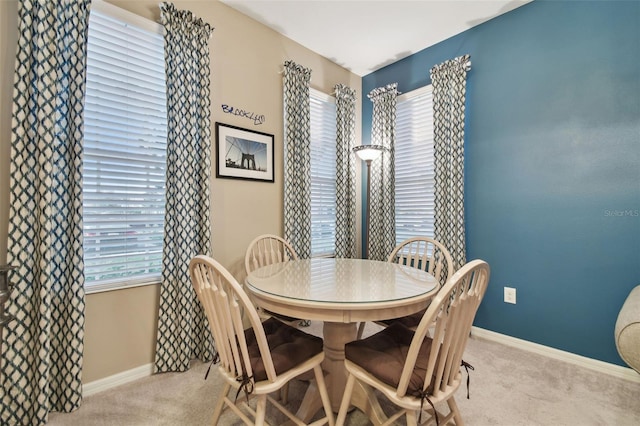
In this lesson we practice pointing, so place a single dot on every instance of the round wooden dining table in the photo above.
(341, 293)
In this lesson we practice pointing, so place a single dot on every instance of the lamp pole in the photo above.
(368, 153)
(368, 218)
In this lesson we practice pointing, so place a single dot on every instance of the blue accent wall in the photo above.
(552, 165)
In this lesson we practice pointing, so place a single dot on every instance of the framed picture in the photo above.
(243, 154)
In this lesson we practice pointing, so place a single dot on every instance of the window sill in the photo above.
(121, 285)
(324, 255)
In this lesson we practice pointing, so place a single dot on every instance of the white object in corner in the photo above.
(581, 361)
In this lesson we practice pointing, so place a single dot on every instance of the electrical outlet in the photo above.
(510, 295)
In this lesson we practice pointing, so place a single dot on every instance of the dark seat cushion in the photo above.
(288, 345)
(383, 355)
(409, 321)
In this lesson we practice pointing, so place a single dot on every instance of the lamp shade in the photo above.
(369, 152)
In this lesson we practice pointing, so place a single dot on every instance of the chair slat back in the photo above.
(453, 310)
(424, 253)
(224, 302)
(266, 250)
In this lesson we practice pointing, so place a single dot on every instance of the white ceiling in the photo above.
(365, 35)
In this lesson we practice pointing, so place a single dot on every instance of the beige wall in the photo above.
(8, 43)
(246, 63)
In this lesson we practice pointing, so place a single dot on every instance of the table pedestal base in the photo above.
(336, 335)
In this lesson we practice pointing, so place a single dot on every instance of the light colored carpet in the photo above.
(509, 387)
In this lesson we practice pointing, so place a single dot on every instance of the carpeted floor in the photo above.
(509, 387)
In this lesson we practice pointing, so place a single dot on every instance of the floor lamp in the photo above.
(368, 153)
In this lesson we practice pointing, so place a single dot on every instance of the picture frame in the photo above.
(243, 154)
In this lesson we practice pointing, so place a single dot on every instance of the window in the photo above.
(323, 174)
(414, 165)
(124, 150)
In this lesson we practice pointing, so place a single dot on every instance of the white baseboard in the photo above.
(117, 380)
(592, 364)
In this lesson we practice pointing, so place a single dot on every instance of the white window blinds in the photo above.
(414, 165)
(323, 174)
(124, 149)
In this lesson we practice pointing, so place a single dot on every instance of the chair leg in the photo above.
(220, 404)
(457, 417)
(324, 395)
(284, 394)
(261, 409)
(360, 330)
(346, 400)
(412, 419)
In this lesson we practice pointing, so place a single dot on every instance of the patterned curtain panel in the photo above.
(42, 349)
(449, 85)
(382, 226)
(297, 157)
(345, 172)
(183, 332)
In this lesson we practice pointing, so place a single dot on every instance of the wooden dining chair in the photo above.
(423, 253)
(412, 370)
(268, 249)
(265, 250)
(256, 361)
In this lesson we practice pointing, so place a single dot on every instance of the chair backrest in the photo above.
(224, 301)
(266, 250)
(453, 311)
(424, 253)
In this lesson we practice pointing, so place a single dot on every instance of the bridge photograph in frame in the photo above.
(243, 154)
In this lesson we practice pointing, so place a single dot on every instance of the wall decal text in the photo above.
(257, 119)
